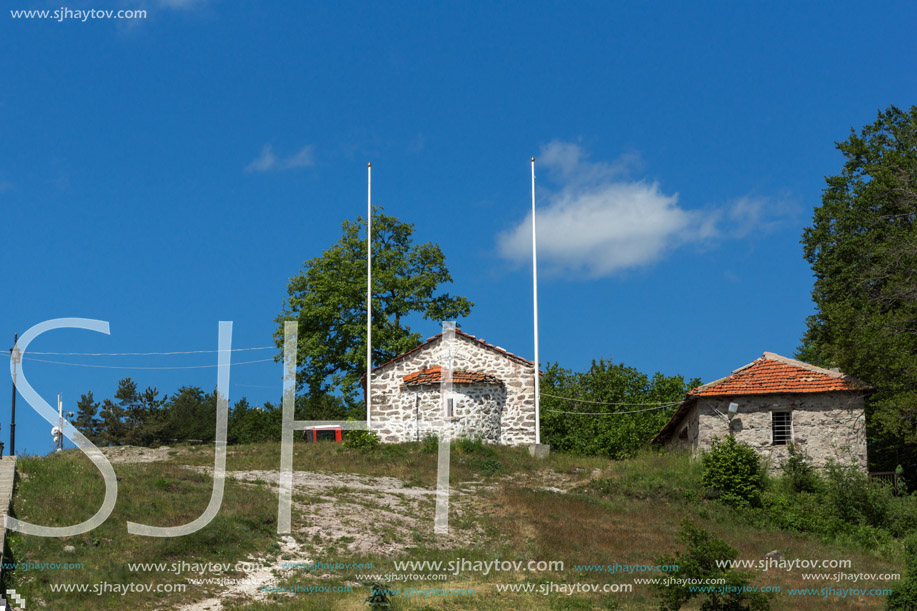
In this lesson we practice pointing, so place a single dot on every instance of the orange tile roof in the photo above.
(773, 373)
(460, 333)
(770, 374)
(434, 375)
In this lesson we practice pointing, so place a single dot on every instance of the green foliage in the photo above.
(853, 499)
(797, 472)
(146, 419)
(904, 594)
(699, 562)
(733, 472)
(250, 424)
(328, 298)
(652, 476)
(489, 466)
(841, 506)
(192, 414)
(862, 246)
(86, 421)
(473, 445)
(618, 436)
(430, 444)
(365, 441)
(378, 597)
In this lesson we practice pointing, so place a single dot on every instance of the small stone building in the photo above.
(493, 394)
(778, 401)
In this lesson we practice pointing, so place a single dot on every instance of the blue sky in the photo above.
(167, 173)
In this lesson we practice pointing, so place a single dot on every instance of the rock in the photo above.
(69, 549)
(775, 555)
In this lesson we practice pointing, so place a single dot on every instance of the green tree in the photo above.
(328, 298)
(616, 435)
(112, 429)
(190, 414)
(702, 560)
(862, 247)
(86, 422)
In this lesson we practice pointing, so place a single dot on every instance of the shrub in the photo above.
(489, 466)
(473, 445)
(699, 562)
(733, 473)
(378, 598)
(798, 473)
(853, 499)
(430, 444)
(904, 594)
(365, 441)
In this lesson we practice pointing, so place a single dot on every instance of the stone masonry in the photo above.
(823, 425)
(820, 411)
(499, 410)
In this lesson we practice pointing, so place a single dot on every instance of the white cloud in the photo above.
(600, 221)
(302, 159)
(267, 160)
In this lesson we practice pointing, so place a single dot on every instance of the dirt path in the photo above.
(344, 515)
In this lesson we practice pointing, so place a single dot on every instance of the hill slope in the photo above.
(355, 514)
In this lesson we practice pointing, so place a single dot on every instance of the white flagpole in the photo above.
(369, 294)
(535, 303)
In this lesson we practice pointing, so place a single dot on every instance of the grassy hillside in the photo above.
(377, 507)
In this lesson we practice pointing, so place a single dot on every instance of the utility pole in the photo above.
(58, 431)
(14, 355)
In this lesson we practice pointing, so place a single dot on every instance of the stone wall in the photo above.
(824, 425)
(499, 413)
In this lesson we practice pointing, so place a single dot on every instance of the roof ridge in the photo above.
(773, 356)
(776, 358)
(430, 340)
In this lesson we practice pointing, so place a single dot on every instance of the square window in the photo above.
(781, 428)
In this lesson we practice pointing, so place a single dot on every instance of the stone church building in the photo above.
(492, 398)
(776, 401)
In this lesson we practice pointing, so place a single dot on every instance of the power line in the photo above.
(150, 353)
(636, 411)
(657, 403)
(26, 358)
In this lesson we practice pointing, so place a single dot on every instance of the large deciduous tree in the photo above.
(328, 298)
(862, 247)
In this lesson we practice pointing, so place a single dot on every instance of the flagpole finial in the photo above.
(533, 159)
(369, 165)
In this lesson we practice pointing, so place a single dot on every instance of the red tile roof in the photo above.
(458, 332)
(434, 375)
(773, 373)
(770, 374)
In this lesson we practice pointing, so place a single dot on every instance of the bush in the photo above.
(430, 444)
(469, 445)
(853, 499)
(904, 594)
(798, 473)
(489, 466)
(365, 441)
(699, 562)
(733, 473)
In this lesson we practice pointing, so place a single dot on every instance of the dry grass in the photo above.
(582, 511)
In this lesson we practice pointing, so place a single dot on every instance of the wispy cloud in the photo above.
(182, 4)
(600, 221)
(268, 161)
